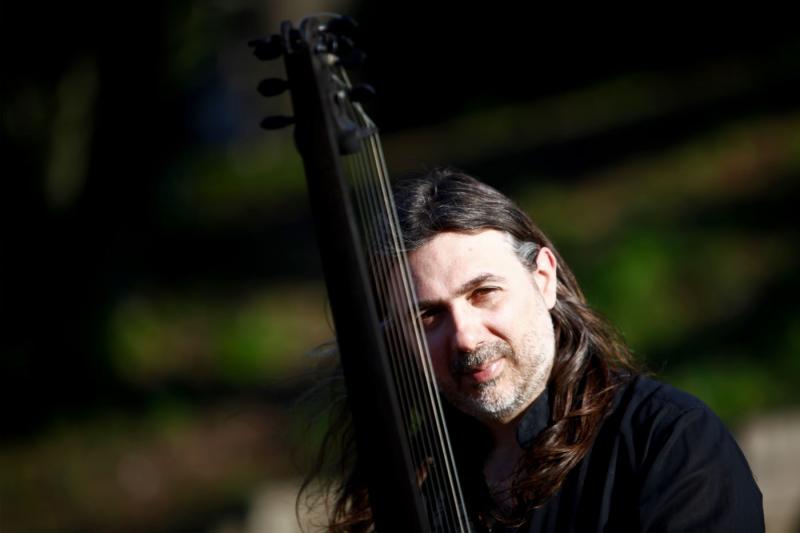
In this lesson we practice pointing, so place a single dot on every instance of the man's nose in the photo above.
(466, 329)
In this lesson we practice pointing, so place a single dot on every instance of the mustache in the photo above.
(469, 361)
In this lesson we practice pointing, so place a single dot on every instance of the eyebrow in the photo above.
(465, 287)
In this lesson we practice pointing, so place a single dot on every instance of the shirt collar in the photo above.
(534, 420)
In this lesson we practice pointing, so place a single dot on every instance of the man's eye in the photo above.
(484, 294)
(428, 316)
(484, 291)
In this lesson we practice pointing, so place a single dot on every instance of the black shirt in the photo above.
(662, 462)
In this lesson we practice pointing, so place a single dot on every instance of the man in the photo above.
(553, 428)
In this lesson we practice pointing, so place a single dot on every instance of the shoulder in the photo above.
(645, 404)
(689, 469)
(646, 396)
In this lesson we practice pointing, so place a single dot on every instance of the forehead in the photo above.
(451, 258)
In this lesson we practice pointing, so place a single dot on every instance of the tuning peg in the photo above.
(349, 56)
(277, 122)
(342, 26)
(266, 50)
(353, 58)
(272, 86)
(361, 93)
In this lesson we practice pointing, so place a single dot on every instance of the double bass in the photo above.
(401, 435)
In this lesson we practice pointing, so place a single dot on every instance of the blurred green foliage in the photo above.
(219, 186)
(242, 339)
(160, 288)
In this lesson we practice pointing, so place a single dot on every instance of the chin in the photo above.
(491, 411)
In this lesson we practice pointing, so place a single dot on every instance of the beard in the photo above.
(521, 380)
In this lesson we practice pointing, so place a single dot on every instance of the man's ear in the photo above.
(545, 276)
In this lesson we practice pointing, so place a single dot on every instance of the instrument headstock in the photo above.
(317, 55)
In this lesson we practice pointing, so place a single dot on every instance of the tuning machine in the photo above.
(272, 87)
(267, 49)
(338, 35)
(342, 26)
(361, 93)
(349, 56)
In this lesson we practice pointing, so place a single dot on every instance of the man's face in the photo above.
(487, 321)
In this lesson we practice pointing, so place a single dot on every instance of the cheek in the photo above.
(529, 307)
(506, 320)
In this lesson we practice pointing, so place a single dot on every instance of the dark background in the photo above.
(159, 283)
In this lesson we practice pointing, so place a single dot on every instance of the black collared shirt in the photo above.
(662, 462)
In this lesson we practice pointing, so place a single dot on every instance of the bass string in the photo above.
(380, 271)
(408, 344)
(397, 343)
(446, 453)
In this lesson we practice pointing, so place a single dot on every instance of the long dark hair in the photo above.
(590, 360)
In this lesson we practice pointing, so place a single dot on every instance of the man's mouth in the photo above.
(484, 372)
(482, 365)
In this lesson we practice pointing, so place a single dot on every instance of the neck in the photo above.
(502, 460)
(505, 454)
